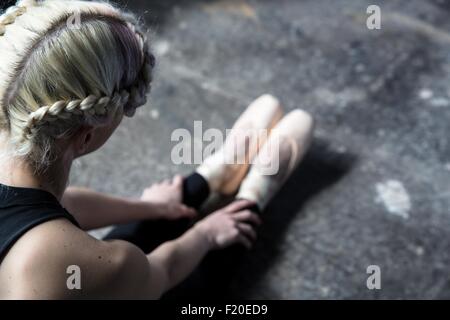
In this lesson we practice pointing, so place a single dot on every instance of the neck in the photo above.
(18, 173)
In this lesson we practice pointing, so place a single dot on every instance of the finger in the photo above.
(244, 240)
(247, 230)
(177, 180)
(247, 216)
(239, 205)
(166, 182)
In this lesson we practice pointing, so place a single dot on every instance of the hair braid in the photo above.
(94, 105)
(89, 106)
(11, 14)
(47, 97)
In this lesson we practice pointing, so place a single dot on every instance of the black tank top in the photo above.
(21, 209)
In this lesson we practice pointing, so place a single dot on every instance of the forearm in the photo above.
(179, 257)
(94, 210)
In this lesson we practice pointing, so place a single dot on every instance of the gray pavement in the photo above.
(375, 188)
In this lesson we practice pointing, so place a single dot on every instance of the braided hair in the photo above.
(55, 78)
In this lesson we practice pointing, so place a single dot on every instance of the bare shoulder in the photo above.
(56, 260)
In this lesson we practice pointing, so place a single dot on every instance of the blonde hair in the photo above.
(56, 76)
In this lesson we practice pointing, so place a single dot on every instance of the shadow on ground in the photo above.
(225, 274)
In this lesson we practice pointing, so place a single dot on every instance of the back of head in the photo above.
(67, 64)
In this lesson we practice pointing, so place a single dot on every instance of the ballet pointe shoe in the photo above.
(226, 168)
(287, 144)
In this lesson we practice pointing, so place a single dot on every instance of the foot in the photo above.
(226, 168)
(280, 155)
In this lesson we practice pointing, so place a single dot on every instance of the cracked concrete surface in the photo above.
(382, 104)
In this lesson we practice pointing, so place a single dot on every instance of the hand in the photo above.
(165, 192)
(230, 225)
(166, 197)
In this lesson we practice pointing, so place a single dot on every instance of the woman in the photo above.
(64, 89)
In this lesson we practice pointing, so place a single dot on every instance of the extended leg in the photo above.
(225, 169)
(284, 150)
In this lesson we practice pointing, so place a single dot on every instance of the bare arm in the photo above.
(94, 210)
(173, 261)
(118, 269)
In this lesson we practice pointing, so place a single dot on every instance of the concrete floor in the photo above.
(375, 188)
